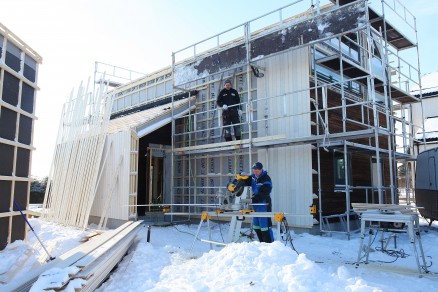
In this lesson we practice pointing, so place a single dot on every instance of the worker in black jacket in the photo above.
(229, 101)
(261, 186)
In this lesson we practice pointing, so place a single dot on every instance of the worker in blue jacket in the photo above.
(261, 185)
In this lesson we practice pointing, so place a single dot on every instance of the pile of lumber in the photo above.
(91, 262)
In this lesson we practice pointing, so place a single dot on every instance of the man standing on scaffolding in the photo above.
(229, 101)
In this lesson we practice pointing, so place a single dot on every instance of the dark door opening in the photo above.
(151, 170)
(155, 181)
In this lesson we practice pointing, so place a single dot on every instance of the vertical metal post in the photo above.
(172, 157)
(344, 129)
(319, 187)
(421, 92)
(315, 78)
(248, 70)
(190, 160)
(347, 187)
(369, 48)
(389, 109)
(341, 70)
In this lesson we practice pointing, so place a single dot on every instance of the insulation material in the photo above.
(11, 87)
(13, 57)
(25, 133)
(23, 162)
(27, 98)
(72, 180)
(20, 197)
(29, 70)
(7, 158)
(8, 117)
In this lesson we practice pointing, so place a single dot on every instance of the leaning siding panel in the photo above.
(119, 199)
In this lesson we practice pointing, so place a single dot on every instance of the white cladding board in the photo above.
(290, 167)
(119, 199)
(279, 98)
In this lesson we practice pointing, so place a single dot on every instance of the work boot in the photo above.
(259, 234)
(238, 137)
(266, 236)
(228, 139)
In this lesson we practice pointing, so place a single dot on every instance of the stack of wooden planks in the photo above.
(92, 261)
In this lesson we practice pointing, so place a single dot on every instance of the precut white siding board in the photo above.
(289, 167)
(74, 172)
(119, 145)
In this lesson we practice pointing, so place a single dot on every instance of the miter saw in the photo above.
(237, 195)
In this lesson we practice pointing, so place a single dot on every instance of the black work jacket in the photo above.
(230, 98)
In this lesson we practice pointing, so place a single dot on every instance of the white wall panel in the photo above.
(289, 167)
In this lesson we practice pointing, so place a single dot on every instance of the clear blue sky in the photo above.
(138, 35)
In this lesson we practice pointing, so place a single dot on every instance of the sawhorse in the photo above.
(411, 222)
(237, 217)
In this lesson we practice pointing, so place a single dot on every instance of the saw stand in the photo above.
(393, 214)
(237, 217)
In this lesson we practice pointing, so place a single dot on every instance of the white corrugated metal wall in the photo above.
(119, 200)
(289, 167)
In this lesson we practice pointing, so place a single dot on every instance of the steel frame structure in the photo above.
(369, 39)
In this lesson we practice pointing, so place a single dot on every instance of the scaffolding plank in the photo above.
(235, 144)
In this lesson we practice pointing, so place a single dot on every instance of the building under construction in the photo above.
(18, 87)
(324, 95)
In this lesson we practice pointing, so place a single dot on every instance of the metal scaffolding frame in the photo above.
(370, 93)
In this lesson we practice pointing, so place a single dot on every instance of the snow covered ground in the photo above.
(20, 257)
(168, 262)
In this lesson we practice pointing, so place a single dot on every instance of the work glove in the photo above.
(255, 199)
(242, 176)
(240, 113)
(225, 107)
